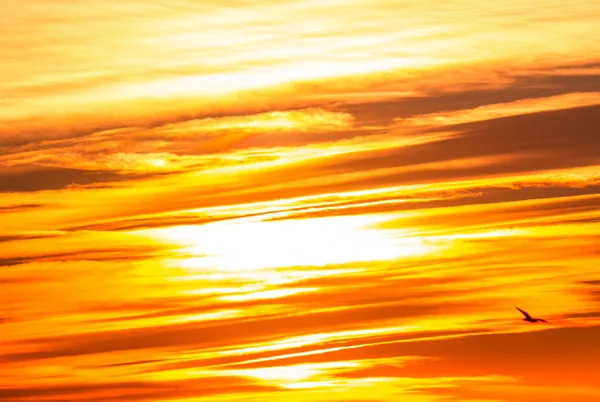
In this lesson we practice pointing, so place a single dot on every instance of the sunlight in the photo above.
(158, 162)
(290, 376)
(260, 78)
(319, 338)
(248, 245)
(314, 118)
(267, 294)
(307, 201)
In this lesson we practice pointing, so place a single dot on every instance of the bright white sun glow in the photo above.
(249, 245)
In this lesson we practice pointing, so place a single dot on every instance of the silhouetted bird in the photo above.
(529, 318)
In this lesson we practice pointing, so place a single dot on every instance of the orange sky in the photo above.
(331, 201)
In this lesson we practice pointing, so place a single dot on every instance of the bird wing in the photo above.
(539, 319)
(525, 313)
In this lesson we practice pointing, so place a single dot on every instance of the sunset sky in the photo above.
(300, 201)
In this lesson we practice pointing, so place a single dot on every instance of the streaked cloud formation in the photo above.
(318, 201)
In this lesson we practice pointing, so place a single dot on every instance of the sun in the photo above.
(254, 244)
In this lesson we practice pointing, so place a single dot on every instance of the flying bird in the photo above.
(529, 318)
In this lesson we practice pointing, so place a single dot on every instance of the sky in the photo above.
(330, 201)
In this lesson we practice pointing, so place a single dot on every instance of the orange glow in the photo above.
(330, 201)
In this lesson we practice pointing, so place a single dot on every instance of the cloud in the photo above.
(8, 262)
(559, 139)
(138, 391)
(26, 236)
(210, 335)
(427, 90)
(107, 254)
(336, 198)
(18, 207)
(434, 97)
(492, 111)
(479, 355)
(502, 350)
(39, 179)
